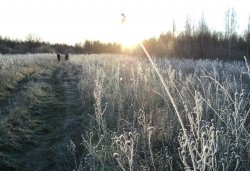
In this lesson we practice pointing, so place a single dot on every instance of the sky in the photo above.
(74, 21)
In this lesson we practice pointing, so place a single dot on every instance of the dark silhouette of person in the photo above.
(66, 56)
(58, 57)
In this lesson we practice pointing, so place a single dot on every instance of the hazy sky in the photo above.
(72, 21)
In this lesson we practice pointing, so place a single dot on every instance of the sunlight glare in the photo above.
(128, 37)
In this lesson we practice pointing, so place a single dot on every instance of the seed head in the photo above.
(237, 157)
(204, 135)
(192, 143)
(128, 142)
(212, 128)
(118, 142)
(217, 133)
(183, 152)
(115, 155)
(121, 137)
(205, 149)
(151, 128)
(130, 134)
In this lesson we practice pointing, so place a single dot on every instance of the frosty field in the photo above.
(111, 112)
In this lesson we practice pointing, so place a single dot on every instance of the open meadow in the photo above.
(112, 112)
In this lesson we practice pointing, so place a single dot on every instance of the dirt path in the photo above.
(38, 121)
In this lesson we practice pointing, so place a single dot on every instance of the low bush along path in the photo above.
(38, 120)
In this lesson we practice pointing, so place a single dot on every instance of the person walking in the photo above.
(58, 57)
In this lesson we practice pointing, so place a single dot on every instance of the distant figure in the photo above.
(66, 56)
(58, 57)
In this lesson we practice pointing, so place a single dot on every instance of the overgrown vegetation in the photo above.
(15, 69)
(39, 114)
(109, 112)
(135, 127)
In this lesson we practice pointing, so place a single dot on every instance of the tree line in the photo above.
(201, 42)
(33, 44)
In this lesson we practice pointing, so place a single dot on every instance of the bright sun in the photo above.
(129, 43)
(128, 38)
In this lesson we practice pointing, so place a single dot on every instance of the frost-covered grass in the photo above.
(129, 121)
(24, 96)
(15, 68)
(134, 125)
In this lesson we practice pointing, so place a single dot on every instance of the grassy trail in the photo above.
(39, 119)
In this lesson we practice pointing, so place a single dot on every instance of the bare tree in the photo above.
(203, 30)
(33, 38)
(188, 36)
(173, 27)
(174, 38)
(230, 29)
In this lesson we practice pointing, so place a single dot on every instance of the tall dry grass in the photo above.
(137, 122)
